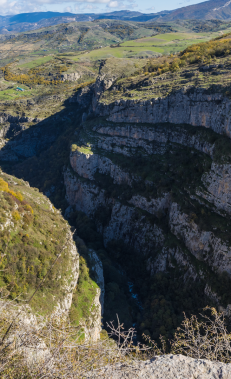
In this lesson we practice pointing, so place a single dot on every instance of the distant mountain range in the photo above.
(207, 10)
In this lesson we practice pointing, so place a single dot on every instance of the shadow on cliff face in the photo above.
(38, 156)
(118, 299)
(39, 153)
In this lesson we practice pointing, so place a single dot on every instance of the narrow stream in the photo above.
(134, 295)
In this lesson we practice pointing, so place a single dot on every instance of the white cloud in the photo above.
(92, 7)
(68, 9)
(151, 9)
(113, 4)
(11, 7)
(68, 1)
(16, 7)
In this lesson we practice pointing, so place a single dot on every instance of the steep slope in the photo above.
(154, 174)
(36, 247)
(33, 235)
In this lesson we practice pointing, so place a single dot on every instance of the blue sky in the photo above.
(91, 6)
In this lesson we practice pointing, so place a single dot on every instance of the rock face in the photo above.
(168, 367)
(129, 180)
(94, 327)
(72, 77)
(30, 142)
(194, 107)
(123, 224)
(151, 138)
(83, 97)
(71, 281)
(218, 183)
(88, 197)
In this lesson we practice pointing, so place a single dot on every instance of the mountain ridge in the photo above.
(207, 10)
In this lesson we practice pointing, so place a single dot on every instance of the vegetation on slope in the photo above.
(83, 301)
(204, 65)
(32, 234)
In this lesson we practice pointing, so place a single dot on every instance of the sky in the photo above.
(90, 6)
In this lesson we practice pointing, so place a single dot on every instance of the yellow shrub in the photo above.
(18, 195)
(29, 208)
(74, 147)
(3, 185)
(5, 188)
(16, 215)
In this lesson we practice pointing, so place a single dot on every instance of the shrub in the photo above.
(207, 338)
(27, 219)
(204, 338)
(16, 216)
(3, 185)
(51, 348)
(74, 147)
(17, 195)
(28, 207)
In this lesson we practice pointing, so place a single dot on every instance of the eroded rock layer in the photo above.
(156, 175)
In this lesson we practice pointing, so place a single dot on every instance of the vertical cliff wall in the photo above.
(156, 175)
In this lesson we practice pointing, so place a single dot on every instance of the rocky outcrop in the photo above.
(153, 139)
(4, 117)
(166, 367)
(30, 142)
(72, 77)
(86, 165)
(156, 206)
(125, 224)
(204, 245)
(83, 96)
(71, 280)
(218, 183)
(3, 130)
(187, 106)
(94, 325)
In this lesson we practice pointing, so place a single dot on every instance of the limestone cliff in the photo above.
(151, 171)
(93, 326)
(189, 105)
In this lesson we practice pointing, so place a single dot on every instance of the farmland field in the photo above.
(161, 44)
(36, 62)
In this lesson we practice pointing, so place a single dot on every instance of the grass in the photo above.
(85, 293)
(37, 62)
(81, 149)
(160, 44)
(10, 93)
